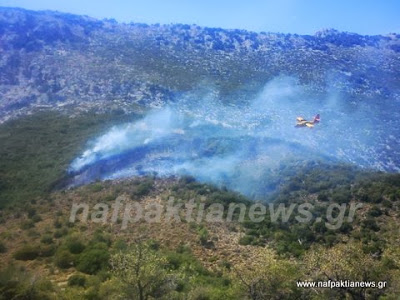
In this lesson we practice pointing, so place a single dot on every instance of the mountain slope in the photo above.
(62, 61)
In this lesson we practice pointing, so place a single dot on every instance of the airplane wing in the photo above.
(300, 119)
(309, 125)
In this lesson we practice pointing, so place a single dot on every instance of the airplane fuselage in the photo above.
(301, 122)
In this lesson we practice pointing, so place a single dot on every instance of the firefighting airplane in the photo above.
(301, 122)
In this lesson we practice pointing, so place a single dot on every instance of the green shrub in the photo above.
(323, 197)
(47, 250)
(36, 218)
(186, 260)
(203, 236)
(374, 212)
(63, 259)
(3, 248)
(154, 245)
(246, 240)
(31, 212)
(93, 260)
(60, 233)
(27, 252)
(57, 223)
(341, 196)
(330, 239)
(96, 187)
(18, 284)
(75, 246)
(28, 224)
(47, 239)
(143, 188)
(120, 245)
(77, 280)
(370, 224)
(101, 237)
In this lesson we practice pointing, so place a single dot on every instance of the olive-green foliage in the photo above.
(266, 276)
(203, 235)
(75, 245)
(338, 184)
(142, 272)
(36, 150)
(3, 248)
(77, 280)
(95, 187)
(182, 257)
(16, 283)
(64, 259)
(27, 224)
(346, 261)
(120, 245)
(175, 274)
(60, 233)
(47, 239)
(47, 250)
(27, 252)
(247, 240)
(202, 281)
(188, 188)
(93, 260)
(143, 188)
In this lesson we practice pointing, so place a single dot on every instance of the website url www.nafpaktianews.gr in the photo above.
(332, 284)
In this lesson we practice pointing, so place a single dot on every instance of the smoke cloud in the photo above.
(242, 146)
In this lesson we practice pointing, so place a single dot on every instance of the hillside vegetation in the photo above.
(67, 80)
(45, 256)
(35, 151)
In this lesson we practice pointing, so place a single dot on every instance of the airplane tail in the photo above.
(317, 119)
